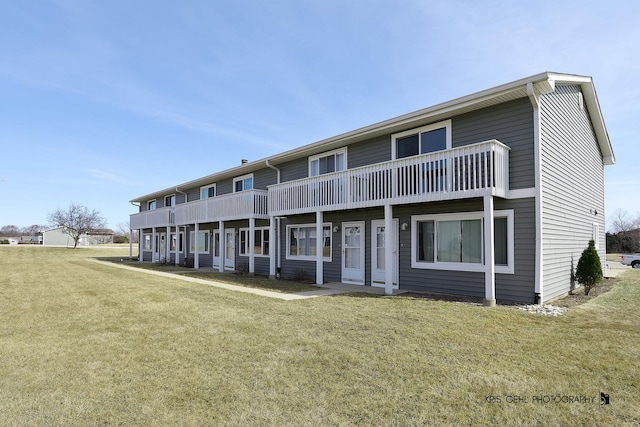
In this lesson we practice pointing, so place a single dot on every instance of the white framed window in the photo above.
(261, 241)
(301, 241)
(151, 205)
(331, 161)
(203, 242)
(146, 239)
(426, 139)
(207, 191)
(456, 241)
(173, 242)
(170, 201)
(243, 183)
(595, 232)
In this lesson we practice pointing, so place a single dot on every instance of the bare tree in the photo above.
(76, 220)
(10, 231)
(621, 221)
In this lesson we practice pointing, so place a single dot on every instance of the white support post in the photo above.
(272, 247)
(196, 255)
(177, 245)
(222, 243)
(140, 245)
(489, 254)
(153, 244)
(319, 245)
(130, 244)
(389, 248)
(167, 245)
(252, 244)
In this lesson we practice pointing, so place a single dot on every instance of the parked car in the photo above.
(632, 260)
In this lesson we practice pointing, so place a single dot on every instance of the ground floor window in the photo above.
(261, 241)
(177, 243)
(301, 241)
(146, 242)
(456, 241)
(203, 242)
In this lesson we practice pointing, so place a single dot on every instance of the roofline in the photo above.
(543, 83)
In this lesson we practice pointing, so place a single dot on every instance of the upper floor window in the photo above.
(332, 161)
(151, 205)
(426, 139)
(207, 191)
(243, 183)
(170, 201)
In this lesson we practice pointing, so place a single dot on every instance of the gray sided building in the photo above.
(491, 195)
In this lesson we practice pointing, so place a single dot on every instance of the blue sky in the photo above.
(105, 101)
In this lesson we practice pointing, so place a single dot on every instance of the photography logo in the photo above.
(604, 399)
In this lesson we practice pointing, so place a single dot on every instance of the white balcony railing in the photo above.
(470, 171)
(245, 204)
(156, 218)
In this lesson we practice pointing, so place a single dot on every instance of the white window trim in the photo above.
(308, 257)
(595, 234)
(459, 266)
(144, 241)
(342, 150)
(155, 203)
(207, 187)
(246, 243)
(192, 241)
(444, 124)
(166, 197)
(242, 178)
(181, 239)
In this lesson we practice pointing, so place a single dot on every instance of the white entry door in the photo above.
(230, 249)
(216, 249)
(353, 252)
(378, 242)
(161, 248)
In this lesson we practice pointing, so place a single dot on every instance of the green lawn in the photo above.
(84, 344)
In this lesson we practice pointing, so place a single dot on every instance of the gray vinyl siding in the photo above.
(295, 169)
(510, 123)
(572, 187)
(519, 286)
(369, 152)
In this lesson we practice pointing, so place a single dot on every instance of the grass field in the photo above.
(84, 344)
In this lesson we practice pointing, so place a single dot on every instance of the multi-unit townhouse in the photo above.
(492, 195)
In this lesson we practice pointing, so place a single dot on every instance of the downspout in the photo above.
(269, 165)
(131, 237)
(184, 240)
(537, 148)
(277, 225)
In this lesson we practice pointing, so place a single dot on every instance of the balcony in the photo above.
(162, 217)
(242, 205)
(471, 171)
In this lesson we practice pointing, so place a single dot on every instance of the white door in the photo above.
(216, 249)
(229, 248)
(378, 241)
(161, 247)
(353, 252)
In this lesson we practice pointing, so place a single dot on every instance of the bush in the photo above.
(589, 269)
(4, 242)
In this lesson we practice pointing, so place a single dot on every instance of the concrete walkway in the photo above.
(326, 289)
(614, 268)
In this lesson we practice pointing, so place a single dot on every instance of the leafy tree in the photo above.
(589, 269)
(76, 220)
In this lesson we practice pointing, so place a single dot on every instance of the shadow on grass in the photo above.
(239, 279)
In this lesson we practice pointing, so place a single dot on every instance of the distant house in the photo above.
(495, 195)
(57, 237)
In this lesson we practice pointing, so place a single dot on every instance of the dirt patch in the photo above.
(572, 300)
(578, 297)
